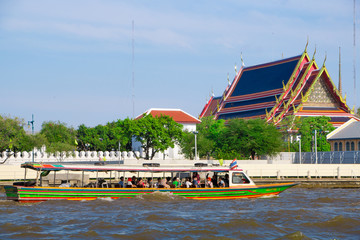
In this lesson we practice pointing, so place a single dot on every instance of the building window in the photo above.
(352, 146)
(340, 146)
(359, 146)
(336, 147)
(347, 146)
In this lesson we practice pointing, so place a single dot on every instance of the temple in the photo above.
(272, 91)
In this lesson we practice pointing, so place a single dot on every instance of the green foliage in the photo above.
(58, 137)
(208, 136)
(187, 144)
(358, 112)
(156, 134)
(249, 138)
(106, 138)
(239, 139)
(13, 136)
(307, 128)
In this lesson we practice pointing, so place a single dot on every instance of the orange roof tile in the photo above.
(177, 115)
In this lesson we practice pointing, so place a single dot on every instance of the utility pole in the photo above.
(32, 128)
(195, 133)
(133, 71)
(354, 63)
(316, 158)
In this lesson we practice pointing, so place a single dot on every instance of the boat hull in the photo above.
(30, 194)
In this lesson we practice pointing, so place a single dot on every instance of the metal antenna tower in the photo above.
(354, 58)
(133, 71)
(340, 86)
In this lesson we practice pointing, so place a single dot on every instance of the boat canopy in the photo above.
(128, 168)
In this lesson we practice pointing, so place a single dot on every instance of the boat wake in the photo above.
(159, 196)
(269, 196)
(106, 199)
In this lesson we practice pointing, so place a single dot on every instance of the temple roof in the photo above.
(265, 77)
(291, 86)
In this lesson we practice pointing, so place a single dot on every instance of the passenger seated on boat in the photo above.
(175, 183)
(129, 183)
(168, 180)
(150, 183)
(209, 183)
(133, 181)
(163, 182)
(226, 180)
(221, 183)
(146, 183)
(195, 183)
(214, 181)
(140, 183)
(121, 182)
(158, 183)
(188, 183)
(64, 183)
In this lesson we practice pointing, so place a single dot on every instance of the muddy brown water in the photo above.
(298, 213)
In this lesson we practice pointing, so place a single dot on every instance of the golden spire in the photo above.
(307, 43)
(313, 58)
(325, 59)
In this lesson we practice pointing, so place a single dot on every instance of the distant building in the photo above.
(345, 137)
(274, 90)
(186, 120)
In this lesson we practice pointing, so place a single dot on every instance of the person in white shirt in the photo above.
(188, 183)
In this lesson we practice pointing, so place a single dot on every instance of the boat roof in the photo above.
(121, 168)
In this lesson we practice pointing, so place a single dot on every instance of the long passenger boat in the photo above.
(239, 185)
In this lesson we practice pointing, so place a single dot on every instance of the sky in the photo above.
(92, 62)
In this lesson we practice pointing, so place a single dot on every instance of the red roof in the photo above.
(177, 115)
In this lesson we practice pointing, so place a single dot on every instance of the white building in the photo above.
(186, 120)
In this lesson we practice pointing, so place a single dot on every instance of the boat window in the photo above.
(239, 178)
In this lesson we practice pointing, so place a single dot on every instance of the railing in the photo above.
(344, 157)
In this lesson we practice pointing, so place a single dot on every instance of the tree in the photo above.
(250, 138)
(358, 112)
(121, 131)
(156, 134)
(107, 137)
(289, 127)
(58, 137)
(307, 127)
(13, 136)
(85, 136)
(209, 131)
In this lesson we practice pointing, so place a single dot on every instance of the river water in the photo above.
(298, 213)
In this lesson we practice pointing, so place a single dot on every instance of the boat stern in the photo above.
(11, 193)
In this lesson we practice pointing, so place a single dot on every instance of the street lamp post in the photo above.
(119, 153)
(195, 133)
(299, 138)
(32, 131)
(316, 159)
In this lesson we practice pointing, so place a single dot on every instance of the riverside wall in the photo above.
(255, 169)
(335, 165)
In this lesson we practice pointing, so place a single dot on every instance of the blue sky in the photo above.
(72, 60)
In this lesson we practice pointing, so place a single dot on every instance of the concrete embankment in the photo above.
(314, 183)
